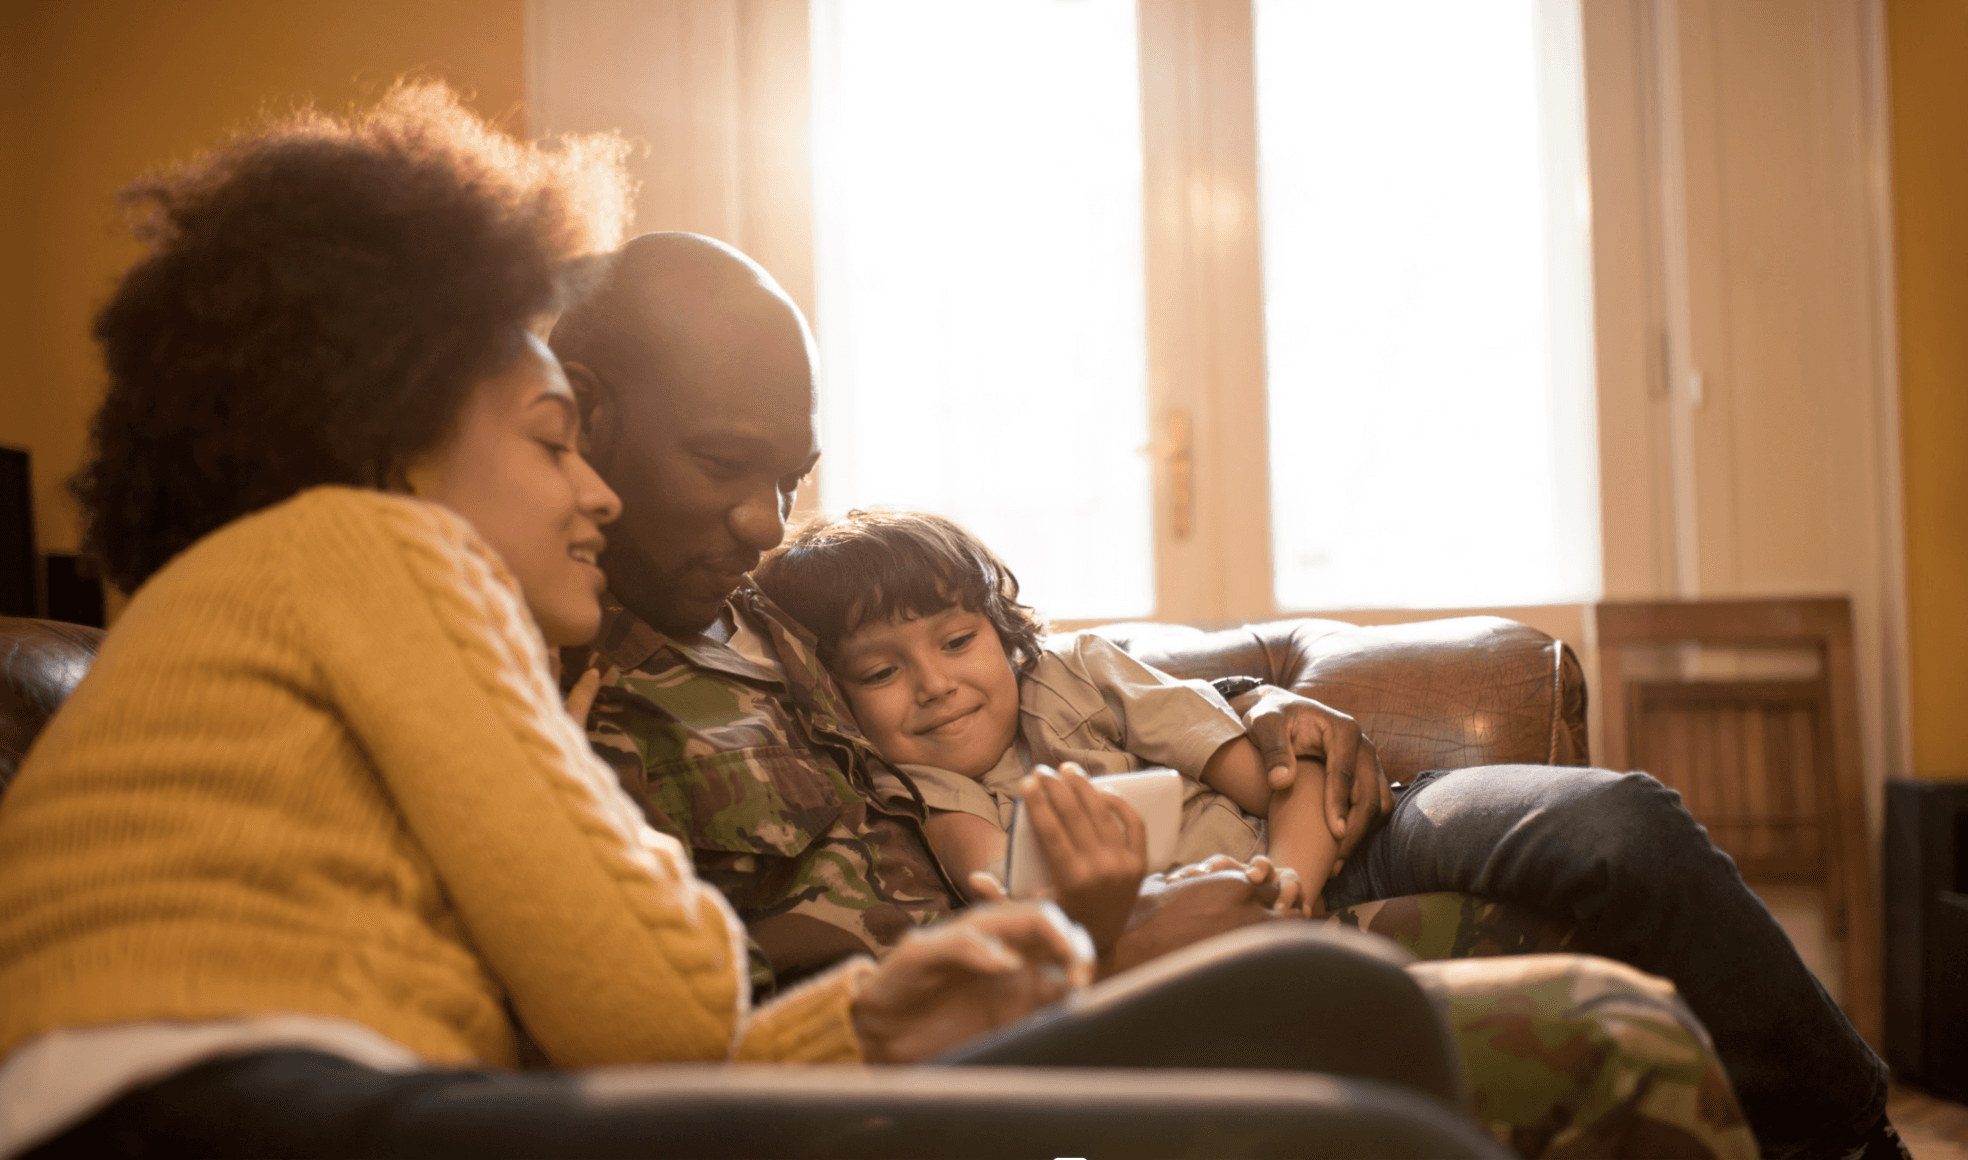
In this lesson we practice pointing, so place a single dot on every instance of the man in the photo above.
(699, 373)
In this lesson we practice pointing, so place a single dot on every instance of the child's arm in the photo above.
(965, 844)
(1299, 838)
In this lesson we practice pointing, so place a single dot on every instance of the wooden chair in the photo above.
(1771, 765)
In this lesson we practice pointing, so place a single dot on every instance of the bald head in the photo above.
(672, 296)
(697, 371)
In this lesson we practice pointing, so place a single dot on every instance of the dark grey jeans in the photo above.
(1618, 855)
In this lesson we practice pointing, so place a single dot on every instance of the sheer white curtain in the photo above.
(1427, 302)
(979, 307)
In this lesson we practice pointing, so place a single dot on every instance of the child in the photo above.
(946, 675)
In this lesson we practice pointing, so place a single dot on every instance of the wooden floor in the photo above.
(1933, 1128)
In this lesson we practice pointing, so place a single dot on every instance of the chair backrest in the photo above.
(41, 662)
(1770, 763)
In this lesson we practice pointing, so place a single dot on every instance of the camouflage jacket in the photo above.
(815, 840)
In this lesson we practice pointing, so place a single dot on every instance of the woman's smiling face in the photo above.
(512, 467)
(932, 690)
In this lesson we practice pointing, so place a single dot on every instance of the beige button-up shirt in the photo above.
(1091, 703)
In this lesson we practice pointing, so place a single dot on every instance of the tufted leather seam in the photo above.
(1274, 666)
(1557, 699)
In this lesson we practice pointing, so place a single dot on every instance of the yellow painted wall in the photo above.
(93, 92)
(1928, 42)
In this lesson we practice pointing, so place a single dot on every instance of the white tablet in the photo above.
(1155, 794)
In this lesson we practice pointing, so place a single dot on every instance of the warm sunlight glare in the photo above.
(980, 314)
(1427, 303)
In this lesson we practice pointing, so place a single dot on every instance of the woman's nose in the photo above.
(592, 494)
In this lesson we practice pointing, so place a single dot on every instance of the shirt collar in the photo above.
(631, 644)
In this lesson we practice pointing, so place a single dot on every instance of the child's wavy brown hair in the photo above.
(835, 574)
(318, 299)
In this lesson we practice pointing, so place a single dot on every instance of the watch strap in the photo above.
(1230, 687)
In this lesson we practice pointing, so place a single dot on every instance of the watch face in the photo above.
(1228, 687)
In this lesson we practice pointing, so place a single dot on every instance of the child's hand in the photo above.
(1217, 864)
(1294, 899)
(1096, 846)
(1259, 870)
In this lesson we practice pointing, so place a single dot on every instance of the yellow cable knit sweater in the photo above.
(320, 767)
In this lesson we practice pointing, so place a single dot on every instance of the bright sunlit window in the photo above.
(1421, 170)
(978, 251)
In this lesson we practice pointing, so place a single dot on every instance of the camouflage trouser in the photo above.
(1567, 1055)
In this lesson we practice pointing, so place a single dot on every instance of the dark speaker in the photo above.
(1927, 934)
(74, 593)
(20, 565)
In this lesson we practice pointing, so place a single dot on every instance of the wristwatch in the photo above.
(1229, 687)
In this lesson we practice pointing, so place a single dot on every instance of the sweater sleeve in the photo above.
(609, 947)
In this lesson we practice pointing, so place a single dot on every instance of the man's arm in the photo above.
(1285, 726)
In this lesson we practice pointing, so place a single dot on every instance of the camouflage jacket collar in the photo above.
(798, 652)
(633, 645)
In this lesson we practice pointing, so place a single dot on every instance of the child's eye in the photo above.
(877, 676)
(960, 642)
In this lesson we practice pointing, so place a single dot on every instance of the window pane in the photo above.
(1426, 311)
(980, 306)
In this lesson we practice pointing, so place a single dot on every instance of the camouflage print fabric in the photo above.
(1576, 1056)
(1567, 1055)
(1457, 926)
(816, 841)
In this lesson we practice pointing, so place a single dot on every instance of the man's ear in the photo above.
(600, 414)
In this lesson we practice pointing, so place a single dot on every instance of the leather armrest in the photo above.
(1435, 694)
(762, 1110)
(41, 662)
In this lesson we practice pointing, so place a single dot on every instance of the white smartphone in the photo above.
(1155, 794)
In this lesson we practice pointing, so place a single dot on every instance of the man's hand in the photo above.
(947, 983)
(1285, 726)
(1189, 906)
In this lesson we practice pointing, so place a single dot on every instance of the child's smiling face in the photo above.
(932, 690)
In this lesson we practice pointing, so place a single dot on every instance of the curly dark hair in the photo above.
(835, 574)
(318, 299)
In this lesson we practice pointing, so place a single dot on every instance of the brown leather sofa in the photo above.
(41, 661)
(1436, 694)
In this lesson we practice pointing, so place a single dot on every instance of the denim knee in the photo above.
(1636, 853)
(1628, 819)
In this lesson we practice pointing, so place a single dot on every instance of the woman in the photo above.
(317, 814)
